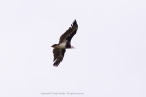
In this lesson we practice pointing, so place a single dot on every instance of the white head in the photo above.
(72, 47)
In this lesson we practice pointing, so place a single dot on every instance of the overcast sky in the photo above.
(109, 59)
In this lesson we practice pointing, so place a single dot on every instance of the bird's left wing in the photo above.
(69, 33)
(58, 55)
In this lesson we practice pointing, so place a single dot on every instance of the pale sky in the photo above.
(109, 59)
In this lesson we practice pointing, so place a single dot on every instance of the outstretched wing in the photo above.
(69, 33)
(58, 55)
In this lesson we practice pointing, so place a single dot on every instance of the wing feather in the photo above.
(69, 33)
(58, 55)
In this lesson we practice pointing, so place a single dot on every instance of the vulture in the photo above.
(64, 43)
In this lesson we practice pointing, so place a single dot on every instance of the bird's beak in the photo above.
(73, 47)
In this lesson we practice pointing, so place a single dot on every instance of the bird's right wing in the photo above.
(58, 55)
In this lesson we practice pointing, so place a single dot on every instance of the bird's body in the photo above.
(64, 43)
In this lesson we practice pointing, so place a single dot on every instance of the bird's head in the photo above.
(54, 45)
(72, 47)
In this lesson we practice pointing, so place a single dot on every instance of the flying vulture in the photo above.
(64, 43)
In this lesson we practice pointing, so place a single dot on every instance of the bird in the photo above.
(64, 43)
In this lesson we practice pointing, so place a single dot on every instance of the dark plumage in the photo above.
(64, 43)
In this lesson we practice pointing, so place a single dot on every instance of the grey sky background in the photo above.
(109, 59)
